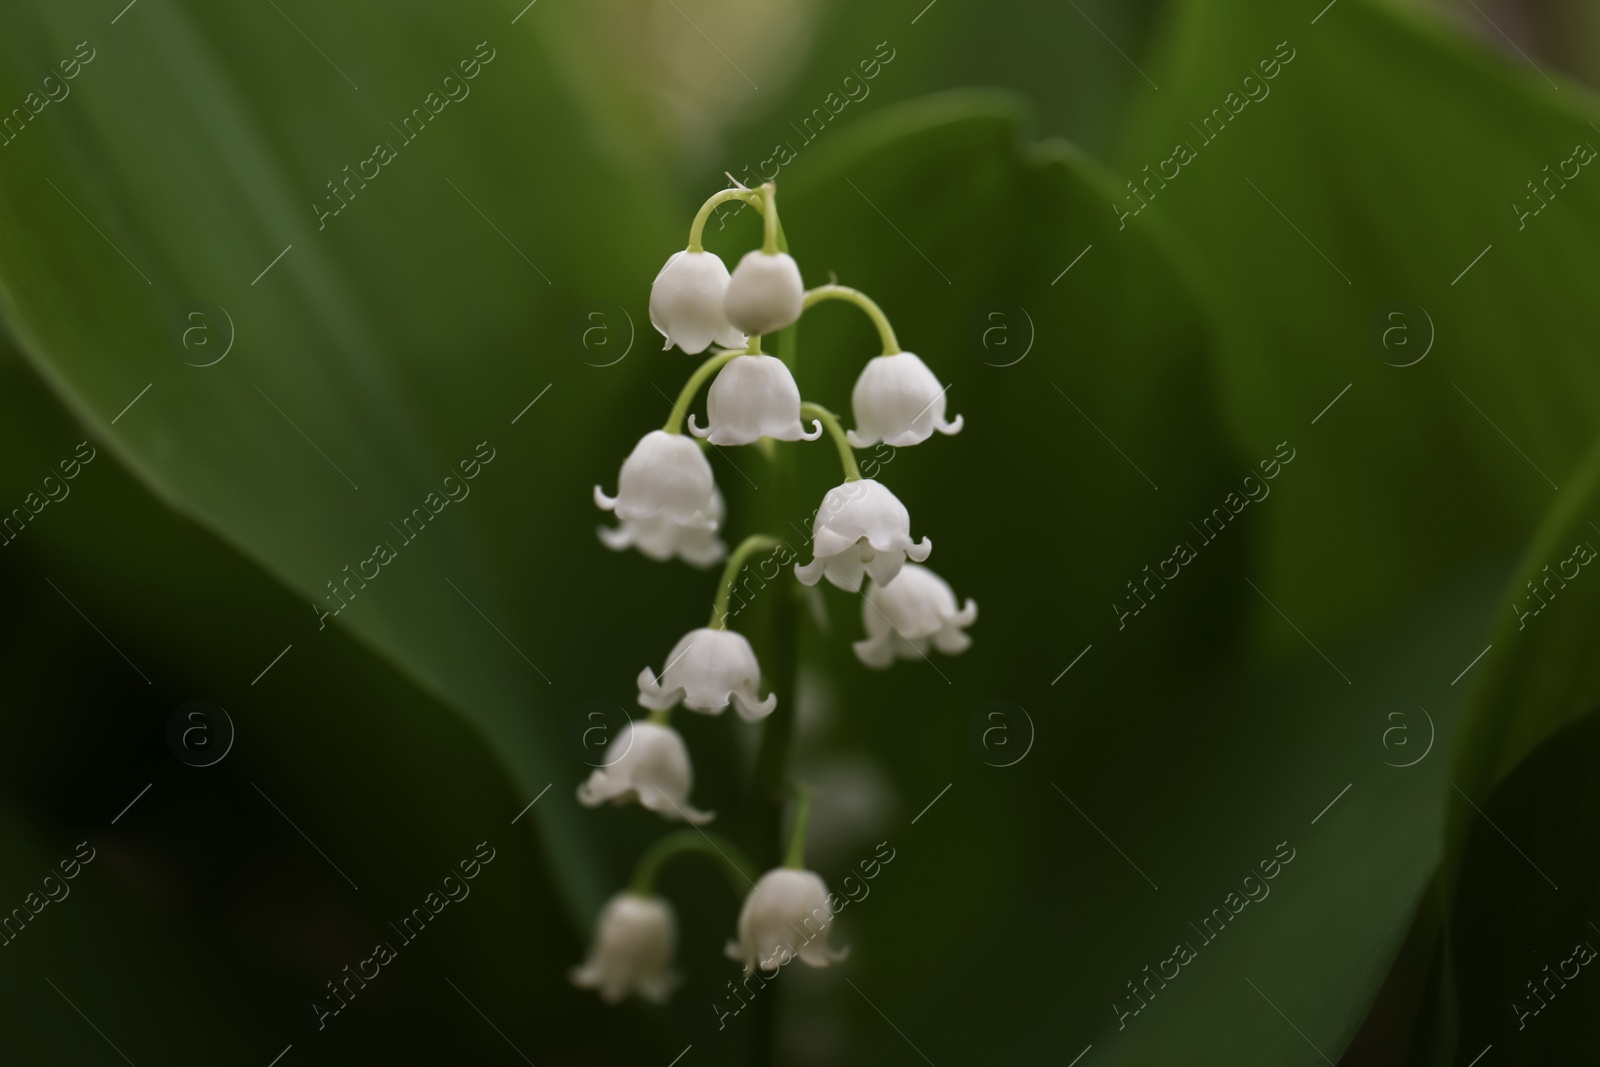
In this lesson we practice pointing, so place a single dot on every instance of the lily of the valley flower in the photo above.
(651, 766)
(902, 618)
(635, 940)
(660, 538)
(897, 400)
(754, 396)
(861, 528)
(665, 476)
(705, 672)
(786, 915)
(765, 293)
(686, 303)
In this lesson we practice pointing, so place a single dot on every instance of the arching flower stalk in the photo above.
(896, 399)
(668, 506)
(636, 934)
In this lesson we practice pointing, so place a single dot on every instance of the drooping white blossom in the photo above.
(786, 916)
(765, 293)
(705, 672)
(635, 940)
(650, 765)
(666, 476)
(917, 609)
(898, 401)
(754, 396)
(861, 528)
(686, 303)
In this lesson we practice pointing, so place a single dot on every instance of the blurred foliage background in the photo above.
(1382, 667)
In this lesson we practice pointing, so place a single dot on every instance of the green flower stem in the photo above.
(779, 642)
(741, 873)
(795, 857)
(769, 243)
(680, 410)
(862, 301)
(748, 547)
(662, 717)
(847, 455)
(781, 613)
(704, 214)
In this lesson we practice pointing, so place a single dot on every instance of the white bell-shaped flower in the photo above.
(665, 476)
(686, 303)
(905, 616)
(705, 672)
(754, 397)
(765, 293)
(649, 763)
(861, 528)
(786, 915)
(660, 538)
(635, 940)
(898, 401)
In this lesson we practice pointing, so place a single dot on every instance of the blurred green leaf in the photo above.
(1542, 674)
(1312, 211)
(692, 88)
(1523, 942)
(1377, 167)
(375, 348)
(1056, 55)
(202, 876)
(1524, 765)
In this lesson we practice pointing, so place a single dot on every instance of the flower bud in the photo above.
(765, 293)
(686, 303)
